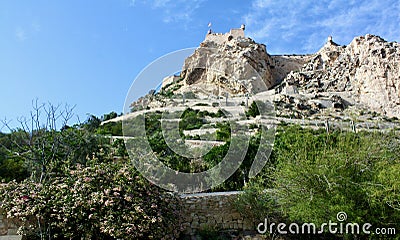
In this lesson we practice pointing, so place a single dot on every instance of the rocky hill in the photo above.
(237, 64)
(368, 70)
(358, 83)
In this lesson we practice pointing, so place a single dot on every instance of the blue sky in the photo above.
(87, 53)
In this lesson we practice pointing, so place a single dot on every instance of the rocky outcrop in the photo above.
(364, 75)
(235, 64)
(368, 68)
(282, 65)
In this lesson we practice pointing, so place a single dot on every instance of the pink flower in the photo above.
(25, 198)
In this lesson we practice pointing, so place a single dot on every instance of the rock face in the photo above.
(232, 62)
(368, 68)
(364, 75)
(237, 64)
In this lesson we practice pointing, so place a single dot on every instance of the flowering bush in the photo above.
(102, 201)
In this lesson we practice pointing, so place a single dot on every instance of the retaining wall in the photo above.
(204, 211)
(6, 227)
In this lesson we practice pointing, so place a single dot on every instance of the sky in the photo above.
(88, 53)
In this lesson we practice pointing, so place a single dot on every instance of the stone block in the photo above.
(14, 237)
(12, 231)
(3, 231)
(236, 215)
(248, 226)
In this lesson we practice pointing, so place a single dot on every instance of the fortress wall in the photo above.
(221, 38)
(237, 32)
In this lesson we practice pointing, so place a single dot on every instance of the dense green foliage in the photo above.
(47, 152)
(109, 116)
(190, 119)
(12, 166)
(316, 175)
(253, 110)
(75, 183)
(175, 161)
(110, 128)
(195, 119)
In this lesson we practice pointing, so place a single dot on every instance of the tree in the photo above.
(92, 123)
(46, 150)
(253, 110)
(109, 116)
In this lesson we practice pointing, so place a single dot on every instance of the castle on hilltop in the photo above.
(234, 33)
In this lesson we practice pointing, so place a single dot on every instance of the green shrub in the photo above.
(110, 128)
(256, 203)
(318, 175)
(192, 119)
(98, 202)
(253, 110)
(223, 132)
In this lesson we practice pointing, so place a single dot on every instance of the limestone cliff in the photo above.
(368, 68)
(236, 64)
(364, 75)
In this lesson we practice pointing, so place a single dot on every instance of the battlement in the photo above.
(220, 38)
(237, 32)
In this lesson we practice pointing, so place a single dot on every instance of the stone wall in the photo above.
(6, 227)
(205, 211)
(237, 32)
(221, 38)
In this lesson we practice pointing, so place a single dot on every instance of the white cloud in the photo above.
(302, 26)
(20, 34)
(132, 3)
(23, 33)
(36, 27)
(174, 11)
(160, 3)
